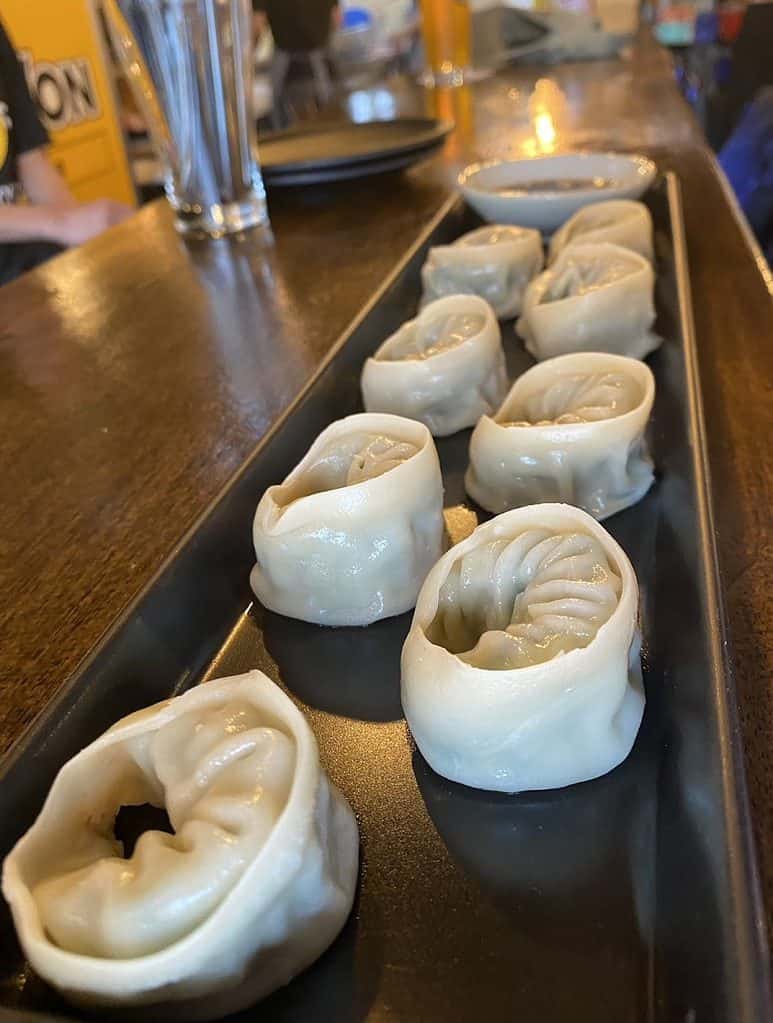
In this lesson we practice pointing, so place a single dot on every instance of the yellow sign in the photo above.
(60, 45)
(3, 138)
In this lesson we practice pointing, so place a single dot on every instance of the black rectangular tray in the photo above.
(634, 897)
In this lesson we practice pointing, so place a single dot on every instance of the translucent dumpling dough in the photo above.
(350, 534)
(623, 222)
(594, 298)
(495, 262)
(254, 884)
(521, 669)
(446, 368)
(571, 429)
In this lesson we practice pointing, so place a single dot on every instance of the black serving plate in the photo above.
(633, 897)
(338, 150)
(347, 171)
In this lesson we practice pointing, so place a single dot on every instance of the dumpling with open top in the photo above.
(446, 368)
(253, 885)
(624, 222)
(495, 262)
(521, 669)
(571, 429)
(594, 298)
(348, 537)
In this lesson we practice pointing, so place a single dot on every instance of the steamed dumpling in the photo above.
(254, 884)
(593, 298)
(446, 368)
(521, 669)
(624, 222)
(349, 535)
(571, 429)
(495, 262)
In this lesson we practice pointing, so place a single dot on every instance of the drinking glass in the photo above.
(190, 65)
(447, 34)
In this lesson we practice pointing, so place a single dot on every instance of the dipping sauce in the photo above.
(522, 188)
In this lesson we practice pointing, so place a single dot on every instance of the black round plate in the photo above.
(345, 171)
(324, 146)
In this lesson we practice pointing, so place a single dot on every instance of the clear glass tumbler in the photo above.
(190, 65)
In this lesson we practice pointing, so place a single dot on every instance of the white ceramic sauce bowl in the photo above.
(538, 192)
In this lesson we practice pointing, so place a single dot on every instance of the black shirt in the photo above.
(20, 131)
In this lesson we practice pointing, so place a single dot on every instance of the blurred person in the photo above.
(39, 216)
(751, 61)
(298, 26)
(747, 160)
(301, 29)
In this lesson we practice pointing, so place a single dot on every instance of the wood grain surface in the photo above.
(137, 373)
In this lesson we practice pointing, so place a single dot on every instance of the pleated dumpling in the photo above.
(521, 669)
(495, 262)
(571, 429)
(350, 534)
(624, 222)
(254, 884)
(594, 298)
(446, 368)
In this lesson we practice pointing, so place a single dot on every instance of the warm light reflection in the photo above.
(545, 130)
(765, 270)
(547, 109)
(83, 297)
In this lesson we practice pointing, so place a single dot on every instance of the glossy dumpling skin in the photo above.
(349, 535)
(594, 298)
(254, 885)
(521, 669)
(572, 430)
(624, 222)
(495, 262)
(445, 369)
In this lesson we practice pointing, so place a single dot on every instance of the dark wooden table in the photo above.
(138, 372)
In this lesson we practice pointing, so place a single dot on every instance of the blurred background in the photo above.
(317, 59)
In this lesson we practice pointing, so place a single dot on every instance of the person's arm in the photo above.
(53, 214)
(25, 223)
(63, 225)
(42, 181)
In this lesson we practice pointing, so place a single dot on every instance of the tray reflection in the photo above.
(342, 671)
(558, 861)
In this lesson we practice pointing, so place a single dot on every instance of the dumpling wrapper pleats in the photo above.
(594, 298)
(571, 430)
(446, 368)
(495, 262)
(521, 669)
(624, 222)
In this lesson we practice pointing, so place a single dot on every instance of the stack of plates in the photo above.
(318, 153)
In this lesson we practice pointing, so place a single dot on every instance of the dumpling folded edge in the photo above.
(283, 912)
